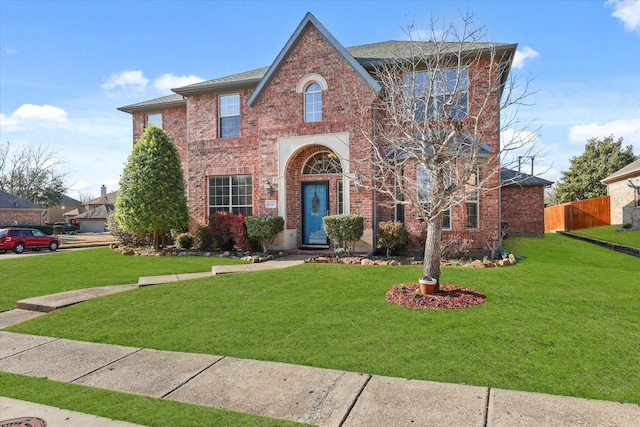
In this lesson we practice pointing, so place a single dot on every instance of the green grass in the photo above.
(563, 321)
(65, 271)
(125, 407)
(609, 234)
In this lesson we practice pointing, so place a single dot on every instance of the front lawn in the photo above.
(608, 233)
(563, 321)
(47, 274)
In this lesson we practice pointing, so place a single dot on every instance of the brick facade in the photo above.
(275, 141)
(21, 217)
(523, 210)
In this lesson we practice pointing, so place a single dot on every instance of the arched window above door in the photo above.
(324, 162)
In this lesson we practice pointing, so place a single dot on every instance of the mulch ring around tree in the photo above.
(449, 297)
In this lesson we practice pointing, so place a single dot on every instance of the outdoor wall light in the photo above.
(268, 187)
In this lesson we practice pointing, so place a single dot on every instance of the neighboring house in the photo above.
(522, 203)
(623, 188)
(17, 211)
(96, 211)
(282, 140)
(68, 205)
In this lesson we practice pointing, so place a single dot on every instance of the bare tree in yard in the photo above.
(32, 173)
(435, 127)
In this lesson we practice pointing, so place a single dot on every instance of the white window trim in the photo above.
(221, 116)
(311, 78)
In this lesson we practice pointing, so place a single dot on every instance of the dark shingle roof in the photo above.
(109, 199)
(249, 78)
(169, 101)
(99, 212)
(66, 200)
(361, 58)
(509, 177)
(9, 201)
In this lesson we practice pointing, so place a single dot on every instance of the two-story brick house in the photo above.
(284, 140)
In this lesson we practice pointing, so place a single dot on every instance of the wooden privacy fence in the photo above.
(575, 215)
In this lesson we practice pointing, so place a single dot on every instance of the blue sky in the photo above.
(65, 66)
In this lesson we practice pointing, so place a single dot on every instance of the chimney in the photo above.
(103, 191)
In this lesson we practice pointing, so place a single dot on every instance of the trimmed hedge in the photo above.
(264, 228)
(345, 229)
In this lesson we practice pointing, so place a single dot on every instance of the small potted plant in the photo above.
(427, 285)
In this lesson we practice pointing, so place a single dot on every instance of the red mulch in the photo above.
(449, 297)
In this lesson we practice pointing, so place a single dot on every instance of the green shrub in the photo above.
(205, 238)
(264, 228)
(58, 229)
(184, 240)
(391, 235)
(345, 229)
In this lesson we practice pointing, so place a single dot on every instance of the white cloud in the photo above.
(166, 82)
(10, 51)
(628, 11)
(128, 80)
(34, 115)
(523, 56)
(629, 130)
(41, 113)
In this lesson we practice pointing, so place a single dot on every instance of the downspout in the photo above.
(374, 229)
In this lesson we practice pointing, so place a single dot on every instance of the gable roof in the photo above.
(9, 201)
(509, 177)
(66, 200)
(170, 101)
(109, 199)
(308, 21)
(99, 212)
(362, 59)
(629, 171)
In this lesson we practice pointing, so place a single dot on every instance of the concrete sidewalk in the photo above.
(324, 397)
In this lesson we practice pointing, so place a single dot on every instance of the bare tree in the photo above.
(435, 127)
(33, 173)
(85, 197)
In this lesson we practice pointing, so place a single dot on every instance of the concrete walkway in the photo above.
(324, 397)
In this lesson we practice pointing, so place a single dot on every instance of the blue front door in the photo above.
(315, 205)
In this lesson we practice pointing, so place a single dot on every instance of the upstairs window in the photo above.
(431, 93)
(229, 112)
(313, 103)
(154, 119)
(425, 192)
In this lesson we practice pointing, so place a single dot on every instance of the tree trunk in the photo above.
(432, 250)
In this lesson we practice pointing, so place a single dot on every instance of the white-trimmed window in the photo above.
(340, 195)
(229, 112)
(430, 91)
(322, 163)
(154, 119)
(472, 203)
(231, 194)
(313, 103)
(425, 192)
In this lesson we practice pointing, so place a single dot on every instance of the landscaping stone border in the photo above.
(629, 250)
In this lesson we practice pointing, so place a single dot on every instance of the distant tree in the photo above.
(32, 172)
(600, 159)
(85, 197)
(152, 197)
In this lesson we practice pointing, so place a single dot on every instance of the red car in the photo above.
(19, 239)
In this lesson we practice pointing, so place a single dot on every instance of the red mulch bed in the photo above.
(449, 297)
